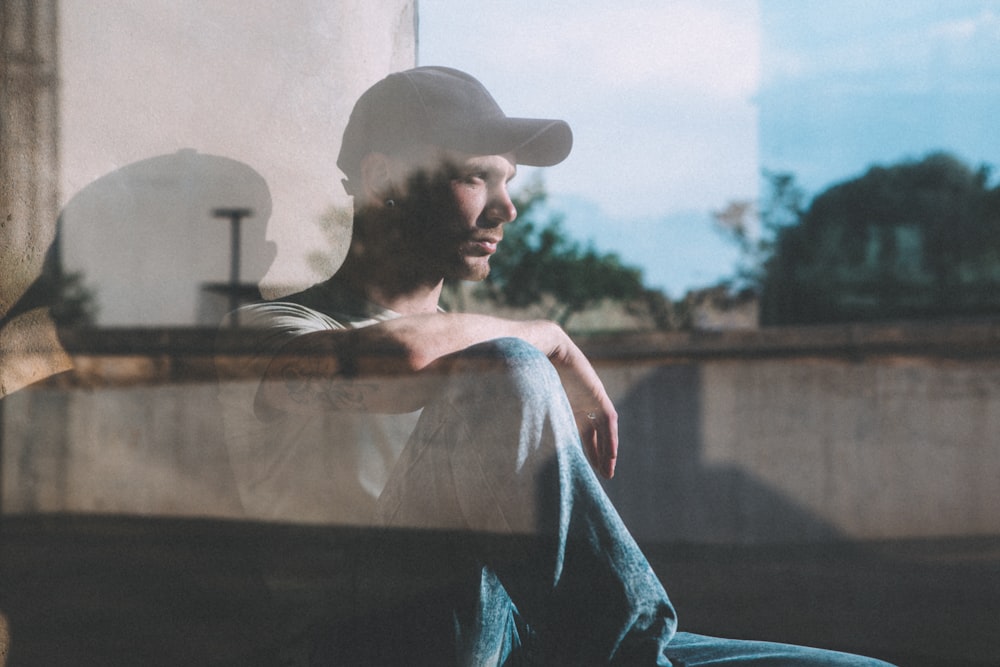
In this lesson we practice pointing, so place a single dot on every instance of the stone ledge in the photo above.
(124, 357)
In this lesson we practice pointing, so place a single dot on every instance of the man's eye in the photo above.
(475, 177)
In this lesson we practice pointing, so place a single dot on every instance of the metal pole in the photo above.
(235, 217)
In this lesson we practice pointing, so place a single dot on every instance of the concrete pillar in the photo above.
(29, 196)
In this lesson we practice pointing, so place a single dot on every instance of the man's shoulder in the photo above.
(326, 305)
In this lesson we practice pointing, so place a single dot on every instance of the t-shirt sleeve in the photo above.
(270, 326)
(264, 329)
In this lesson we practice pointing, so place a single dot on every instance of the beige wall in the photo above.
(783, 435)
(269, 85)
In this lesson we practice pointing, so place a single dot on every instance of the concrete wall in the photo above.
(29, 194)
(812, 448)
(784, 435)
(858, 432)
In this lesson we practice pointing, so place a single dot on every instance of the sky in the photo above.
(677, 106)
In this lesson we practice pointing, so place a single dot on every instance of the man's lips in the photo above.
(487, 246)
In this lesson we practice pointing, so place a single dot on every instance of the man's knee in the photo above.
(504, 353)
(508, 350)
(504, 369)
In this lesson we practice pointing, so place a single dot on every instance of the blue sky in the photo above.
(865, 85)
(676, 106)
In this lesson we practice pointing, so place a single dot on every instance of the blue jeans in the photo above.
(497, 453)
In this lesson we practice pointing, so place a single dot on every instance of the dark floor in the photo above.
(913, 603)
(125, 591)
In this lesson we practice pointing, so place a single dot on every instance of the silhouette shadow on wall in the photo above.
(666, 492)
(155, 240)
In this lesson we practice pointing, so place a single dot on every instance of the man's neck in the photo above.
(386, 286)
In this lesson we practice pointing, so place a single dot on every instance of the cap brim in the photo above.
(543, 142)
(537, 142)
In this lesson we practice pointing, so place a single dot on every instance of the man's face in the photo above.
(456, 216)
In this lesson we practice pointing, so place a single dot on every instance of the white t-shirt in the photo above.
(328, 468)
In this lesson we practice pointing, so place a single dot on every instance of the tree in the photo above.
(754, 228)
(918, 239)
(539, 263)
(66, 296)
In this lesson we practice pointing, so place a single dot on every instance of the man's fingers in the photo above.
(599, 437)
(600, 443)
(589, 440)
(608, 443)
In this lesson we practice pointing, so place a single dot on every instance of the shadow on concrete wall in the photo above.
(667, 493)
(140, 246)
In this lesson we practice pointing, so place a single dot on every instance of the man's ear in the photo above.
(376, 179)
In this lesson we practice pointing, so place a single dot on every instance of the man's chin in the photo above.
(472, 271)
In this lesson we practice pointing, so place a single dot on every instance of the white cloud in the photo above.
(679, 46)
(985, 25)
(883, 48)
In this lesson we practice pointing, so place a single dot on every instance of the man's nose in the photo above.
(501, 209)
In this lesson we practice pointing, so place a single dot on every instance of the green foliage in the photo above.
(918, 239)
(754, 232)
(539, 262)
(74, 303)
(68, 300)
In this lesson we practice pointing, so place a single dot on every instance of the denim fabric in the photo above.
(689, 650)
(498, 453)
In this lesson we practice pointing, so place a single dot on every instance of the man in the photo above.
(499, 417)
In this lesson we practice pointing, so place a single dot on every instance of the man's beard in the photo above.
(426, 232)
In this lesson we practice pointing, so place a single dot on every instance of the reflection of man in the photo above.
(504, 406)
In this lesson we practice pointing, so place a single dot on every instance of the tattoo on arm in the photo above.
(321, 390)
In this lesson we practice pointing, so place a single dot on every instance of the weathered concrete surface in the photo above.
(29, 194)
(261, 86)
(809, 448)
(784, 437)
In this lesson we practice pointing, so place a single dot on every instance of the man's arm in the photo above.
(390, 367)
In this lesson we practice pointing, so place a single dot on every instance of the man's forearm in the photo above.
(396, 366)
(384, 367)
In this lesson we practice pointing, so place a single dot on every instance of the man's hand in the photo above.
(595, 415)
